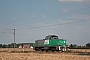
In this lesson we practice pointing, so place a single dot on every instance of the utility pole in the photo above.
(14, 38)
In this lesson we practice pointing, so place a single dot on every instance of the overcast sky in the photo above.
(34, 19)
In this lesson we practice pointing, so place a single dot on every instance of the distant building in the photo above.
(31, 47)
(25, 45)
(20, 46)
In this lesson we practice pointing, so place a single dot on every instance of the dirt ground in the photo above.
(41, 56)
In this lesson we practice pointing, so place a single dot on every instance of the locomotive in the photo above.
(52, 43)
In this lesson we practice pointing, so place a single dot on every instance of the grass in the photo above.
(30, 54)
(88, 54)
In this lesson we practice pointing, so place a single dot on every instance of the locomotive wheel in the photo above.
(42, 50)
(46, 50)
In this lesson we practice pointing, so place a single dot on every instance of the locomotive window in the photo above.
(54, 37)
(47, 37)
(51, 37)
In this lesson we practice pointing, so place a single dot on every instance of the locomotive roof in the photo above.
(51, 35)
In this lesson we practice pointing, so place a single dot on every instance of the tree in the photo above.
(0, 45)
(73, 46)
(4, 46)
(17, 45)
(9, 45)
(12, 45)
(88, 45)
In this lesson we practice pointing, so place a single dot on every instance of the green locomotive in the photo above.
(51, 42)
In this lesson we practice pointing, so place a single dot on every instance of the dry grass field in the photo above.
(30, 54)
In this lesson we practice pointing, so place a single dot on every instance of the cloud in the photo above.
(32, 16)
(14, 18)
(47, 8)
(64, 10)
(23, 15)
(74, 0)
(43, 16)
(82, 17)
(75, 20)
(70, 0)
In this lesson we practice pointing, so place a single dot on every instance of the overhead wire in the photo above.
(55, 17)
(63, 14)
(60, 15)
(71, 20)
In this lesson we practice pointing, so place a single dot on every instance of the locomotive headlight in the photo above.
(64, 41)
(46, 42)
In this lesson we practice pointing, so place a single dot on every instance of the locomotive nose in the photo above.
(62, 42)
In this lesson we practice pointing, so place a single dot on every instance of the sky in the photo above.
(35, 19)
